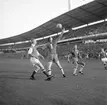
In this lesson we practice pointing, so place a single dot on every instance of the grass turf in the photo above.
(17, 89)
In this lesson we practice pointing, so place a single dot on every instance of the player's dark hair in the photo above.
(49, 39)
(32, 40)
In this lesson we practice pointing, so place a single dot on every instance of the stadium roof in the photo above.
(91, 12)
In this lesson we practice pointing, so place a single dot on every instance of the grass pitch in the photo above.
(17, 89)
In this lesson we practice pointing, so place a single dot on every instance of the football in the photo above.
(59, 25)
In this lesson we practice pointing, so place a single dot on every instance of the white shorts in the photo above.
(104, 59)
(36, 62)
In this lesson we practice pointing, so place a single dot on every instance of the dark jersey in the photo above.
(52, 48)
(75, 54)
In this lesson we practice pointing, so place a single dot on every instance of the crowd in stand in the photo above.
(87, 50)
(89, 30)
(91, 50)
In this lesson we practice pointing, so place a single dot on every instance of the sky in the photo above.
(19, 16)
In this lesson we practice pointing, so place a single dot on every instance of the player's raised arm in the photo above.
(60, 36)
(63, 29)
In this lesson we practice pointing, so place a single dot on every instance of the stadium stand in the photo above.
(97, 28)
(23, 45)
(85, 14)
(68, 20)
(89, 30)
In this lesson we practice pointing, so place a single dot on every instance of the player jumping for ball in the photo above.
(34, 59)
(52, 54)
(104, 58)
(76, 60)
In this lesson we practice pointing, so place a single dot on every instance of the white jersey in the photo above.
(33, 51)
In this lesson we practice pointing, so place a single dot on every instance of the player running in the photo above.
(76, 60)
(52, 54)
(34, 59)
(104, 58)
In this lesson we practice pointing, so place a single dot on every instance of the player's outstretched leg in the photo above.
(49, 77)
(49, 67)
(34, 72)
(105, 66)
(60, 67)
(82, 64)
(75, 69)
(32, 76)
